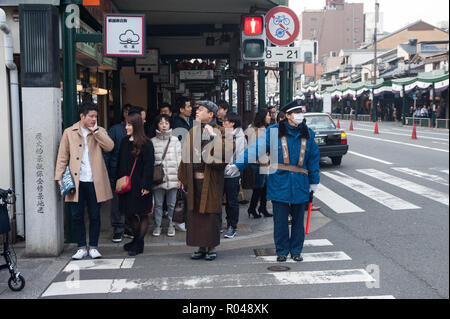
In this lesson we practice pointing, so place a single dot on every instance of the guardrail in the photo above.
(426, 122)
(365, 118)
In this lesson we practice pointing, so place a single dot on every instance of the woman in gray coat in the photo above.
(171, 161)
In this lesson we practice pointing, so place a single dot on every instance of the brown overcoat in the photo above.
(70, 153)
(212, 189)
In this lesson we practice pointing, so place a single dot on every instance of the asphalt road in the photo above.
(382, 232)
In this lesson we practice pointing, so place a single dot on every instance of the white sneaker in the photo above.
(157, 231)
(94, 253)
(80, 254)
(180, 227)
(171, 231)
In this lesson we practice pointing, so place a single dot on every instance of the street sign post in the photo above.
(282, 26)
(284, 54)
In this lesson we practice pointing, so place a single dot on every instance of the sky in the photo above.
(397, 13)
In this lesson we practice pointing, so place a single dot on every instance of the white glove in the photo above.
(231, 170)
(313, 188)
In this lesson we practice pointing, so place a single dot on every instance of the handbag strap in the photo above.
(132, 170)
(165, 151)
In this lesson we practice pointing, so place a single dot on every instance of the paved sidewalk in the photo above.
(40, 272)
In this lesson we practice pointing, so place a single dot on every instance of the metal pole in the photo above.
(374, 78)
(230, 93)
(261, 86)
(283, 80)
(290, 94)
(69, 71)
(403, 105)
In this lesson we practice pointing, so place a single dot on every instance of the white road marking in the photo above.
(421, 131)
(418, 133)
(409, 186)
(317, 243)
(376, 194)
(430, 177)
(99, 264)
(401, 143)
(311, 257)
(445, 171)
(336, 202)
(107, 286)
(371, 158)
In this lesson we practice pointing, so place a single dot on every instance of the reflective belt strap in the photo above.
(291, 168)
(301, 158)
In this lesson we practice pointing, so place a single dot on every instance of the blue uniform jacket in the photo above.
(285, 186)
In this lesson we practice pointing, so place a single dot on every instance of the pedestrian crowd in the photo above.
(152, 169)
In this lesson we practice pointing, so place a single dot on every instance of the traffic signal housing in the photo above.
(253, 35)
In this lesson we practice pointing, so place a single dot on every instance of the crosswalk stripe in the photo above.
(370, 157)
(99, 264)
(430, 177)
(410, 186)
(311, 257)
(376, 194)
(105, 286)
(317, 243)
(336, 202)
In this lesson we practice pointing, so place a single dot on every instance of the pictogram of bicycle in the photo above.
(282, 21)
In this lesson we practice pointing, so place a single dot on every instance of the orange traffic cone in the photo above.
(376, 128)
(338, 124)
(414, 133)
(351, 125)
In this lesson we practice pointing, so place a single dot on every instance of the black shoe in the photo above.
(264, 212)
(137, 248)
(198, 255)
(297, 258)
(129, 245)
(281, 258)
(210, 256)
(117, 238)
(252, 212)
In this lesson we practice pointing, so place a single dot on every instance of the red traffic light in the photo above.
(253, 25)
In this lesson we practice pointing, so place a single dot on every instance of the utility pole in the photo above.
(374, 77)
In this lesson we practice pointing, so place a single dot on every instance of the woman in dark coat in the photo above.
(137, 204)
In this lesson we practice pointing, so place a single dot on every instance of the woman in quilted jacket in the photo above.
(168, 189)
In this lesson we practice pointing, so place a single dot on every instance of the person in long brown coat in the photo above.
(201, 172)
(81, 149)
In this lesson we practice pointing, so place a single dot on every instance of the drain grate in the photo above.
(265, 252)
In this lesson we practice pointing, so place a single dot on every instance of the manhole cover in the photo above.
(278, 268)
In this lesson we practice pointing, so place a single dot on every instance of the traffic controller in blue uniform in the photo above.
(294, 174)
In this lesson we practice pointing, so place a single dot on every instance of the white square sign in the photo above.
(124, 35)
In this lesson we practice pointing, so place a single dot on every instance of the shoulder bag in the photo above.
(123, 184)
(158, 171)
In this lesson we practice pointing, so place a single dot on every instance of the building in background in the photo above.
(369, 26)
(338, 26)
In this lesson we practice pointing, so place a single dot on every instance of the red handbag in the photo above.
(123, 184)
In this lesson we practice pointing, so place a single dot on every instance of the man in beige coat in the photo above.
(81, 148)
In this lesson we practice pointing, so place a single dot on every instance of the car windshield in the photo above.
(320, 122)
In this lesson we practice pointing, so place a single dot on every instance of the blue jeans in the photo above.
(284, 243)
(86, 193)
(231, 189)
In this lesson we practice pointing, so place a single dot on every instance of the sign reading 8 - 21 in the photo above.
(282, 26)
(284, 54)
